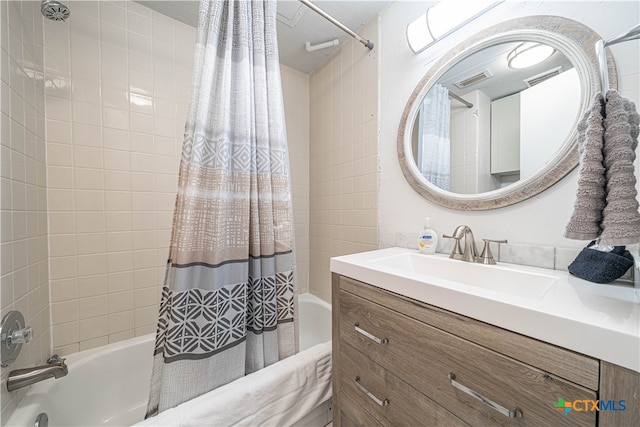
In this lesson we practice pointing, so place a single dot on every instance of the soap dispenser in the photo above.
(428, 238)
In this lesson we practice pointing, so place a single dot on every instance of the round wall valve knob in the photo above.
(21, 336)
(13, 334)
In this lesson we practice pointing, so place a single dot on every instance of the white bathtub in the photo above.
(109, 385)
(314, 322)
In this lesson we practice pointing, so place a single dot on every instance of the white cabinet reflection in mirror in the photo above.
(547, 110)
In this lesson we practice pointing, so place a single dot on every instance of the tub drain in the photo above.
(42, 420)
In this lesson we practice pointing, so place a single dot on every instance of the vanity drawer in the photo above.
(352, 414)
(387, 398)
(425, 357)
(573, 367)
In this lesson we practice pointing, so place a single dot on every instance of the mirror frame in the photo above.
(574, 40)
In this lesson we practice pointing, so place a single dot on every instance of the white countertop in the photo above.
(599, 320)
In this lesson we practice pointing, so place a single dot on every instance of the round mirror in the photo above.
(494, 121)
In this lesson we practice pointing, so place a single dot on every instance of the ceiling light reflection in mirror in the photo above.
(528, 54)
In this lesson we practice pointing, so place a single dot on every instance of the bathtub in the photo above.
(314, 321)
(109, 385)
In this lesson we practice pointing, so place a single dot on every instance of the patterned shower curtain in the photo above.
(227, 305)
(435, 140)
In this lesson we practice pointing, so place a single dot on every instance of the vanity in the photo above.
(415, 343)
(425, 340)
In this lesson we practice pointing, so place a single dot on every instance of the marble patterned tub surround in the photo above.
(564, 257)
(531, 255)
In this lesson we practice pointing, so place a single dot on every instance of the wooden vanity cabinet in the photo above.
(399, 361)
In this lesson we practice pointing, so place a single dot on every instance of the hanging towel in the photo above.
(590, 201)
(621, 219)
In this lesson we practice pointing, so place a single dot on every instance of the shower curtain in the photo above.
(227, 306)
(434, 140)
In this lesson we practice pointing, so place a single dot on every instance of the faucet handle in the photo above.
(20, 336)
(55, 359)
(456, 253)
(486, 257)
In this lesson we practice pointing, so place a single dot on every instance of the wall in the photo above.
(343, 157)
(117, 79)
(469, 129)
(23, 207)
(295, 89)
(86, 217)
(481, 132)
(537, 221)
(114, 80)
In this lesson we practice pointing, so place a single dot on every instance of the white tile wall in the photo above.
(467, 129)
(295, 89)
(23, 206)
(116, 98)
(86, 218)
(113, 124)
(343, 153)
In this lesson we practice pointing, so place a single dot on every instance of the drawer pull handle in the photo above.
(370, 336)
(384, 402)
(516, 413)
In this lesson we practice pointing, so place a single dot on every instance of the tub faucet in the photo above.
(55, 368)
(470, 252)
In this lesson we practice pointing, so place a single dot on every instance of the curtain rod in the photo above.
(632, 34)
(337, 23)
(458, 98)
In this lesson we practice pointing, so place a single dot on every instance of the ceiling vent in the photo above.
(471, 80)
(539, 78)
(289, 13)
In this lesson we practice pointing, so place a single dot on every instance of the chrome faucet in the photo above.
(486, 257)
(55, 368)
(470, 251)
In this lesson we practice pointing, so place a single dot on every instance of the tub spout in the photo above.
(25, 377)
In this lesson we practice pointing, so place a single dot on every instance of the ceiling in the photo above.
(503, 81)
(297, 24)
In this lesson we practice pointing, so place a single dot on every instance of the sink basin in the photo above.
(496, 278)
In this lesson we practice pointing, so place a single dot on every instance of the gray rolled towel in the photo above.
(590, 199)
(621, 218)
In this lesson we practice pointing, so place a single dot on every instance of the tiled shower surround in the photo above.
(86, 216)
(118, 78)
(343, 150)
(23, 208)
